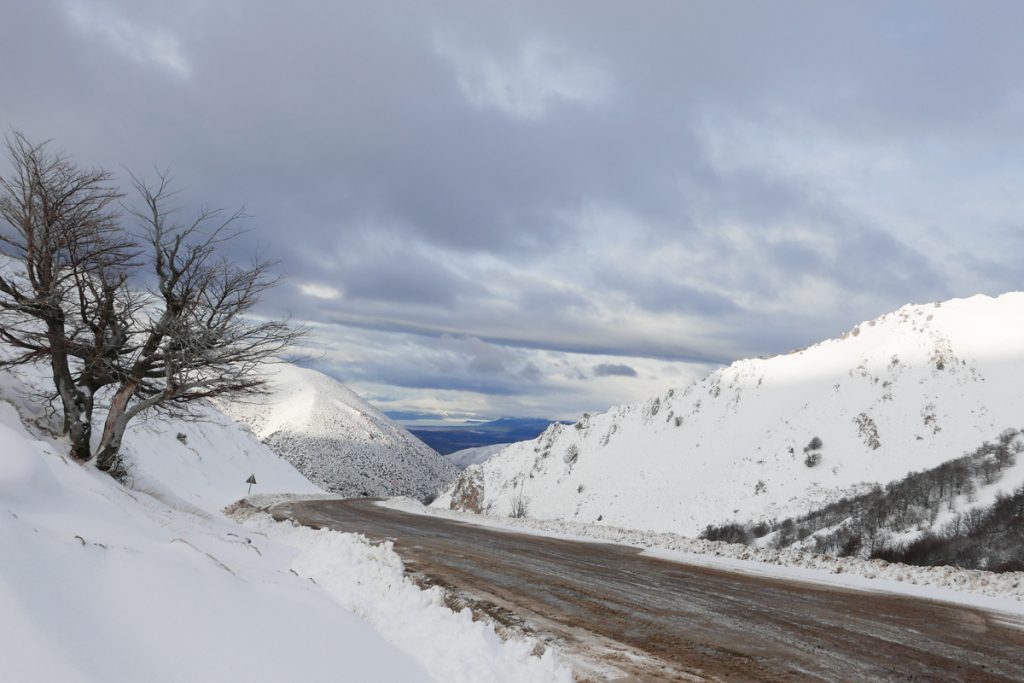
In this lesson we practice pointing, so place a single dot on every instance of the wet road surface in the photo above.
(618, 614)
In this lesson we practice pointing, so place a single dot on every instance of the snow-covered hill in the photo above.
(901, 393)
(337, 440)
(474, 456)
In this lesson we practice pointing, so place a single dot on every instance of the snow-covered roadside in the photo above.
(1002, 592)
(369, 580)
(150, 582)
(102, 583)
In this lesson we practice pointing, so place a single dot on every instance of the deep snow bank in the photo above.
(370, 580)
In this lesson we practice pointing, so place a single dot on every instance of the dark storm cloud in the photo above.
(421, 377)
(402, 276)
(613, 370)
(428, 168)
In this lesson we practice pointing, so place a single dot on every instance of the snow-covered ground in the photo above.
(1002, 592)
(901, 393)
(150, 582)
(369, 580)
(474, 456)
(102, 583)
(338, 440)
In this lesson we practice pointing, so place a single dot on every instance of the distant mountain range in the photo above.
(447, 439)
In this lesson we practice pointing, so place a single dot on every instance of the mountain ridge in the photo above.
(888, 396)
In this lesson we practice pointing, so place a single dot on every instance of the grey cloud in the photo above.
(402, 277)
(369, 167)
(531, 372)
(614, 370)
(663, 295)
(413, 379)
(410, 415)
(580, 339)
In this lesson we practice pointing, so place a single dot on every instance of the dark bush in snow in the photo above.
(730, 533)
(982, 538)
(993, 539)
(518, 508)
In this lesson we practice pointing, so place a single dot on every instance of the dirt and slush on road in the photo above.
(618, 614)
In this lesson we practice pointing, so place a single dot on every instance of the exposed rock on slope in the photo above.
(339, 441)
(897, 394)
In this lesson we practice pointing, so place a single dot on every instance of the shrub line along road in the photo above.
(615, 612)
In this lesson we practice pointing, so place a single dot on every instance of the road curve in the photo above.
(620, 614)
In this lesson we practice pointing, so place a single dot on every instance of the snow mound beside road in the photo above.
(370, 580)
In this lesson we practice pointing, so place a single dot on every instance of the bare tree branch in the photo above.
(197, 337)
(62, 303)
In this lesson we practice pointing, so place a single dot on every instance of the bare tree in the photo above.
(65, 303)
(196, 337)
(70, 302)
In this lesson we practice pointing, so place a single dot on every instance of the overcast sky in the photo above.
(537, 209)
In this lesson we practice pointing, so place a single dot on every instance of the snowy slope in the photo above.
(474, 456)
(900, 393)
(205, 461)
(107, 583)
(104, 584)
(149, 582)
(338, 440)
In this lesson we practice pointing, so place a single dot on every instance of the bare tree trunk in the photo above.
(77, 403)
(108, 457)
(79, 419)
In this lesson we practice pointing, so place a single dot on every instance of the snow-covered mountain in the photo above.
(474, 456)
(337, 440)
(775, 437)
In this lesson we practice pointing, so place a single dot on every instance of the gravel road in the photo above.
(617, 614)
